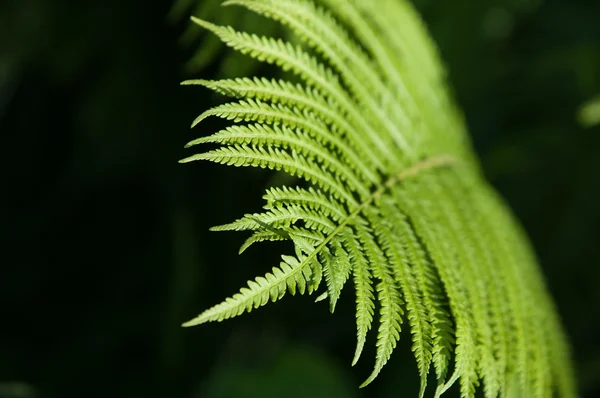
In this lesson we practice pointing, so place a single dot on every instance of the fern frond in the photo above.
(286, 138)
(391, 312)
(276, 159)
(365, 306)
(293, 58)
(336, 269)
(416, 201)
(393, 198)
(399, 261)
(261, 236)
(304, 99)
(432, 295)
(292, 275)
(318, 28)
(308, 198)
(280, 219)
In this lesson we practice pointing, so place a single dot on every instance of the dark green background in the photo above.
(105, 247)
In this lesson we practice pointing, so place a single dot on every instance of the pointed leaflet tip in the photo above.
(332, 303)
(190, 323)
(245, 245)
(203, 23)
(197, 120)
(194, 82)
(371, 378)
(195, 142)
(423, 387)
(442, 388)
(359, 347)
(192, 158)
(200, 118)
(321, 297)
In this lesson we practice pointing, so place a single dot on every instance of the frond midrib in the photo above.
(417, 168)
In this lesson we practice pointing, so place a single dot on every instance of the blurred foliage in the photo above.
(105, 248)
(589, 113)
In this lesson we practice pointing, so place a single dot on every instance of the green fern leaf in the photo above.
(404, 275)
(365, 305)
(292, 276)
(388, 295)
(394, 199)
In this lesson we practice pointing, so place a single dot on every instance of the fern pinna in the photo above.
(394, 199)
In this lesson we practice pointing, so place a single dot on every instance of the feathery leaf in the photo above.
(392, 197)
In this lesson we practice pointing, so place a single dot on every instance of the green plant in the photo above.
(394, 198)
